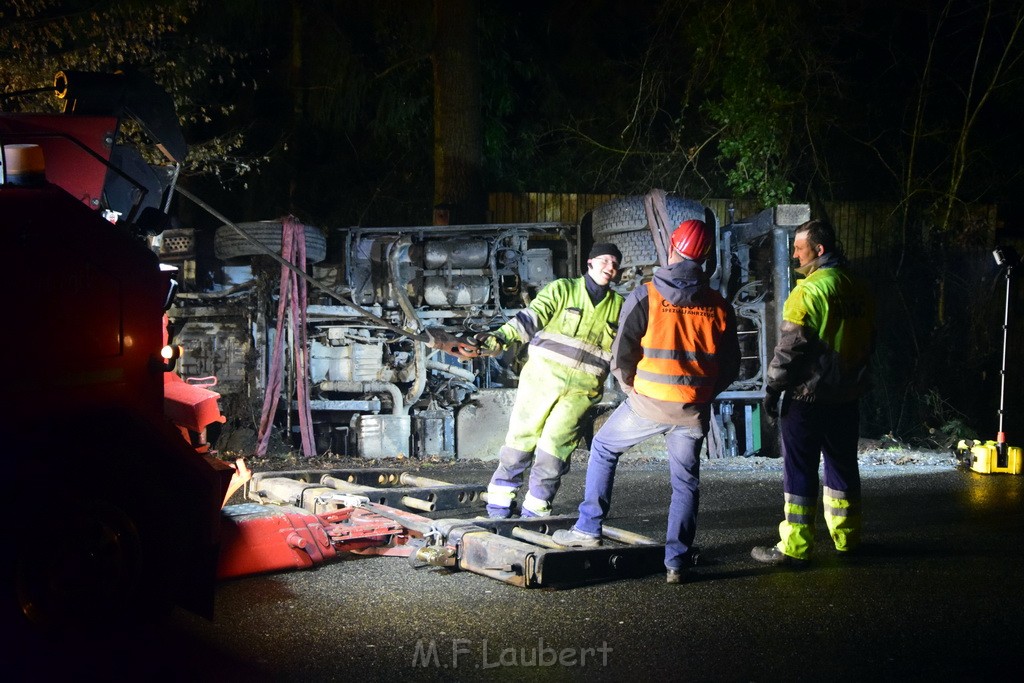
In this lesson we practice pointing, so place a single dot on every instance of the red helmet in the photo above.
(692, 240)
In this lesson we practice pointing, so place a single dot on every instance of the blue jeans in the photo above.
(623, 430)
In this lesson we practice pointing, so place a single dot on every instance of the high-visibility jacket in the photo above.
(680, 350)
(565, 329)
(826, 337)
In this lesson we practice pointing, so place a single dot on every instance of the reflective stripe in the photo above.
(799, 518)
(841, 503)
(525, 323)
(838, 512)
(677, 380)
(794, 499)
(799, 509)
(501, 496)
(572, 346)
(837, 494)
(570, 352)
(673, 354)
(539, 507)
(838, 509)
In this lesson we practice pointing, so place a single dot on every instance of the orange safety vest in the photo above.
(680, 362)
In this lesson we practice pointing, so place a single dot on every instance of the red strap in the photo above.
(291, 304)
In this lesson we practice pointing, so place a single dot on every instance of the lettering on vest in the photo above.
(704, 311)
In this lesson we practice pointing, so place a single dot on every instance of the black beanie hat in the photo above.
(605, 249)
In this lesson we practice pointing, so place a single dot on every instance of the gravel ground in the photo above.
(871, 458)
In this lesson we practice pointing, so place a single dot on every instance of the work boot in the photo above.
(850, 555)
(574, 538)
(770, 554)
(675, 575)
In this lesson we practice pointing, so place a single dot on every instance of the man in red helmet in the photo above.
(676, 350)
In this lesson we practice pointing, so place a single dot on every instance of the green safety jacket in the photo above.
(567, 332)
(826, 337)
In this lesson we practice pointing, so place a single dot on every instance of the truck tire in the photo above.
(94, 578)
(135, 526)
(228, 244)
(623, 222)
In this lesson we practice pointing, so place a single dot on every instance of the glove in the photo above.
(489, 344)
(771, 403)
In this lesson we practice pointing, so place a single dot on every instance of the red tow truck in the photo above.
(132, 522)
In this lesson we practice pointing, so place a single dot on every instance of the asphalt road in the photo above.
(935, 596)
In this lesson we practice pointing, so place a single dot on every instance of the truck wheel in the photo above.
(92, 577)
(228, 244)
(623, 222)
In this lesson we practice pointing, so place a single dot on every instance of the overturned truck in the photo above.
(359, 367)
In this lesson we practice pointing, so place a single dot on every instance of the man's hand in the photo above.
(771, 403)
(466, 348)
(488, 343)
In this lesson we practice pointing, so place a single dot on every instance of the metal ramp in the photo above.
(306, 517)
(313, 490)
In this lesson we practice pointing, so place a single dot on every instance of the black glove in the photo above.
(490, 344)
(771, 402)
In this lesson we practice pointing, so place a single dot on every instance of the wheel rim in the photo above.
(91, 574)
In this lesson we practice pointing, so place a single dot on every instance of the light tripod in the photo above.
(1005, 257)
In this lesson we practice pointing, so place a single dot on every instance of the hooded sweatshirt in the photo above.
(686, 285)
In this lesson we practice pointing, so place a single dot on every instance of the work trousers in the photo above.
(543, 431)
(812, 433)
(623, 430)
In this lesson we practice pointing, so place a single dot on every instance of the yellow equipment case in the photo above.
(984, 457)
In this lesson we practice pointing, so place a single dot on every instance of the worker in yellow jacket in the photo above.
(820, 370)
(570, 327)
